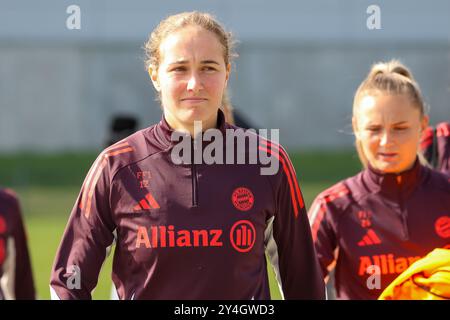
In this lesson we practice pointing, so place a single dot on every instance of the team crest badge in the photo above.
(243, 199)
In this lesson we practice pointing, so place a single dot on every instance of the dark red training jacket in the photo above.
(382, 220)
(16, 276)
(435, 145)
(189, 231)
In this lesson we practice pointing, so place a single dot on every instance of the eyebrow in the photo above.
(395, 124)
(202, 62)
(400, 122)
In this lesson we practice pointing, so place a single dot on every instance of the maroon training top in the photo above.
(435, 145)
(16, 276)
(383, 220)
(189, 231)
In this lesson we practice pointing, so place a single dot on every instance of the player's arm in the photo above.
(88, 234)
(443, 146)
(23, 283)
(427, 144)
(17, 278)
(323, 234)
(288, 239)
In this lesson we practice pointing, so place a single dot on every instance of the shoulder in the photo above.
(262, 137)
(426, 139)
(443, 129)
(263, 149)
(443, 135)
(329, 206)
(8, 197)
(338, 198)
(9, 205)
(336, 195)
(131, 149)
(436, 181)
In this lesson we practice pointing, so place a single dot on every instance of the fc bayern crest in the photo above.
(442, 227)
(243, 199)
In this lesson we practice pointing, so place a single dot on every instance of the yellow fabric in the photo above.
(426, 279)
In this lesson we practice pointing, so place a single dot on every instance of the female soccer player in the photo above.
(16, 276)
(372, 226)
(191, 230)
(435, 146)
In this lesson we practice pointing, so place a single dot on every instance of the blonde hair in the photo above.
(391, 78)
(178, 21)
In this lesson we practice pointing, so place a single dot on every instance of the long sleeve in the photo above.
(88, 234)
(323, 235)
(443, 138)
(17, 276)
(288, 240)
(435, 146)
(24, 284)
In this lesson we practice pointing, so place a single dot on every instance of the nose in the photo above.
(386, 138)
(194, 83)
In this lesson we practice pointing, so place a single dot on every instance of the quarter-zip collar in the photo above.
(395, 189)
(395, 186)
(163, 133)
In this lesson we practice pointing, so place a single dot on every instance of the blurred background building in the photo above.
(299, 65)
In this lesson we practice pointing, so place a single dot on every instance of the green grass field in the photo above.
(49, 184)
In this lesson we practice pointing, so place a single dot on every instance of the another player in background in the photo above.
(435, 146)
(369, 228)
(232, 116)
(190, 230)
(16, 276)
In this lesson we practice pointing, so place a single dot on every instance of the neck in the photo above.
(193, 128)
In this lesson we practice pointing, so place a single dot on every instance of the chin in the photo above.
(193, 115)
(193, 118)
(387, 167)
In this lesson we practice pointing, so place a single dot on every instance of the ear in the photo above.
(355, 127)
(153, 73)
(228, 71)
(424, 123)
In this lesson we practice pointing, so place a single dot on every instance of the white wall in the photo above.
(300, 63)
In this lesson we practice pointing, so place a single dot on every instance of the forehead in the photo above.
(191, 42)
(384, 108)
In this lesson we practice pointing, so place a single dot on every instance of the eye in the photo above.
(178, 69)
(209, 68)
(400, 128)
(373, 129)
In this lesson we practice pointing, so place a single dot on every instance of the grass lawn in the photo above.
(48, 209)
(49, 184)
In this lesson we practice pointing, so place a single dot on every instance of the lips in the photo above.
(194, 99)
(387, 155)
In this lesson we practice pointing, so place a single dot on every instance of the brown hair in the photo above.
(392, 78)
(179, 21)
(227, 108)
